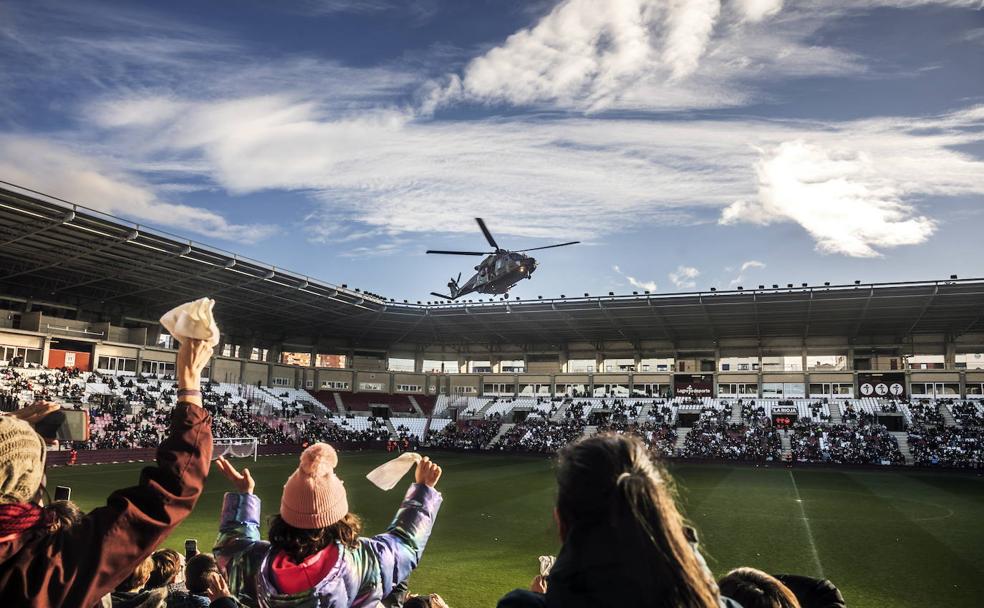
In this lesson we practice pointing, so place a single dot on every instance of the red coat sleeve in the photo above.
(79, 566)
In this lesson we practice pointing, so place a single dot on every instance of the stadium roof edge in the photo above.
(70, 255)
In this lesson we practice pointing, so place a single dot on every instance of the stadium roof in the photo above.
(53, 252)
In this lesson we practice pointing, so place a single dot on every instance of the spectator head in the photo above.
(138, 578)
(755, 589)
(168, 564)
(425, 601)
(22, 455)
(314, 508)
(610, 489)
(197, 571)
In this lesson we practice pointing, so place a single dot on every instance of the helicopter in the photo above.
(498, 272)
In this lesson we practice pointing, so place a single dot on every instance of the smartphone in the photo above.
(64, 425)
(63, 493)
(191, 548)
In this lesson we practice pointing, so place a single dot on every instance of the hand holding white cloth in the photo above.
(192, 320)
(388, 474)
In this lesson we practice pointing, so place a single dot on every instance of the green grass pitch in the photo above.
(886, 538)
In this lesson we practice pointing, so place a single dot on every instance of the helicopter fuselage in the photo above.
(498, 272)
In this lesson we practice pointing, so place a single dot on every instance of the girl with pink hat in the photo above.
(315, 557)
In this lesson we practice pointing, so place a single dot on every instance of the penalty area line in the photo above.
(806, 524)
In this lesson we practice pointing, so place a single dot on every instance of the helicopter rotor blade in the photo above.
(485, 231)
(548, 246)
(442, 252)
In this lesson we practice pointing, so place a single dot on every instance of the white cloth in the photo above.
(388, 474)
(192, 320)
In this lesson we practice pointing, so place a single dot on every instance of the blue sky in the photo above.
(687, 144)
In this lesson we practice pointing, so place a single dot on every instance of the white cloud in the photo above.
(643, 285)
(42, 166)
(746, 266)
(837, 195)
(756, 10)
(683, 277)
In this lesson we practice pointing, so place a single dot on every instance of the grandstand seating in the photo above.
(941, 433)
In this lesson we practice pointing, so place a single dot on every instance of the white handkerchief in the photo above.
(388, 474)
(192, 320)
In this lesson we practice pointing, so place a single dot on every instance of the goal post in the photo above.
(237, 447)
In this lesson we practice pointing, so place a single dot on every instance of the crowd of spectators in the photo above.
(925, 412)
(466, 435)
(712, 436)
(540, 434)
(948, 447)
(967, 414)
(864, 443)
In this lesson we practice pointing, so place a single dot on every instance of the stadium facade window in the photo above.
(309, 383)
(158, 368)
(534, 390)
(620, 365)
(30, 355)
(737, 389)
(656, 364)
(975, 389)
(335, 385)
(441, 366)
(499, 389)
(258, 354)
(480, 367)
(296, 358)
(116, 364)
(826, 362)
(650, 390)
(376, 387)
(165, 341)
(331, 360)
(819, 390)
(935, 389)
(970, 361)
(572, 390)
(782, 363)
(739, 364)
(580, 366)
(513, 366)
(408, 388)
(925, 362)
(278, 381)
(611, 390)
(400, 364)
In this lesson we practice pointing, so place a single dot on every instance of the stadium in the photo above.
(511, 303)
(834, 429)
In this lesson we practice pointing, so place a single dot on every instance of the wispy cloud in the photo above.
(42, 166)
(837, 195)
(746, 266)
(684, 277)
(644, 285)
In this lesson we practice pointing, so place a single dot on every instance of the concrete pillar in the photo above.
(418, 363)
(496, 363)
(600, 362)
(950, 355)
(562, 358)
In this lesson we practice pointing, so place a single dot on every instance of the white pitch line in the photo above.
(806, 524)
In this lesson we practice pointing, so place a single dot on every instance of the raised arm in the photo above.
(390, 557)
(110, 541)
(239, 528)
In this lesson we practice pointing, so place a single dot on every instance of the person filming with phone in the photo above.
(51, 554)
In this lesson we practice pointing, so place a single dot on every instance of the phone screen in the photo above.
(63, 493)
(191, 548)
(65, 425)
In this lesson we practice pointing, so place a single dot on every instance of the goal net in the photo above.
(236, 447)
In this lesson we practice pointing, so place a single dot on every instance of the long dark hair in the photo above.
(610, 480)
(299, 543)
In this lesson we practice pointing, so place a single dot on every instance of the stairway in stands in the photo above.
(735, 413)
(682, 433)
(903, 439)
(590, 430)
(416, 407)
(392, 429)
(787, 445)
(948, 419)
(503, 429)
(559, 414)
(835, 412)
(340, 404)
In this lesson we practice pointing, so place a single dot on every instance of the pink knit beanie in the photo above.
(314, 497)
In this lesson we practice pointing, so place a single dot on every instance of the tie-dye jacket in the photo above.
(361, 576)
